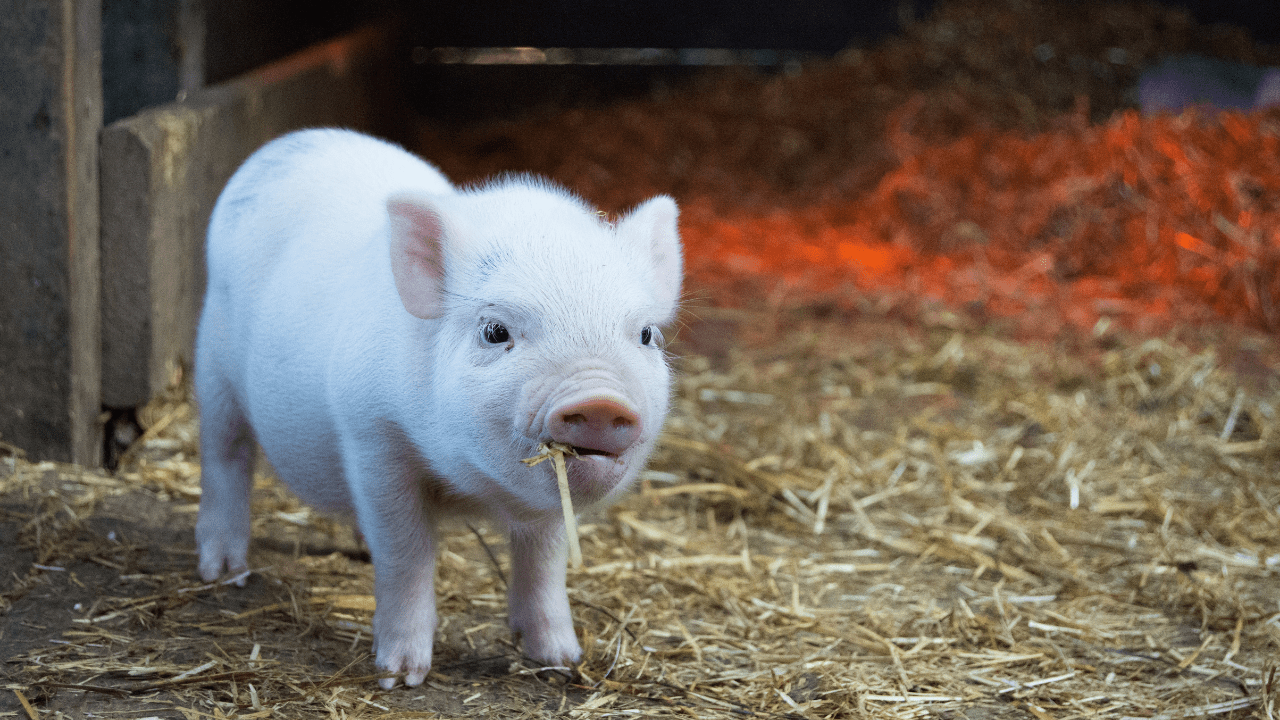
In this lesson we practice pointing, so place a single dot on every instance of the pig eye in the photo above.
(495, 333)
(650, 335)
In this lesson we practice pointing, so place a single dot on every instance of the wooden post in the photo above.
(50, 354)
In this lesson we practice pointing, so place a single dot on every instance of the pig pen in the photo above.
(975, 418)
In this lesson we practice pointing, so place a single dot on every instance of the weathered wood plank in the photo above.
(51, 92)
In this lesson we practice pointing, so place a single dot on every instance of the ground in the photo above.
(848, 517)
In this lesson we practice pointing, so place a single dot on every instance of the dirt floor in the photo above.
(850, 516)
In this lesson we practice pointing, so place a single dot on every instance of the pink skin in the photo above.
(601, 429)
(600, 424)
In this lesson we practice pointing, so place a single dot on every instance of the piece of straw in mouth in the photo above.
(556, 451)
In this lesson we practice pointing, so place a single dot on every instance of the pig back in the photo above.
(323, 190)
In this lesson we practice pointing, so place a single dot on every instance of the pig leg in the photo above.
(537, 602)
(398, 528)
(227, 450)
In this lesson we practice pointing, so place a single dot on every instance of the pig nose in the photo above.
(597, 426)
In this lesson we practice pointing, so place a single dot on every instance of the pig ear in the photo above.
(653, 227)
(417, 254)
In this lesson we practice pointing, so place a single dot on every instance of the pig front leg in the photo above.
(538, 603)
(400, 533)
(227, 450)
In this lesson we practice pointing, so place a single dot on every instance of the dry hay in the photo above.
(863, 520)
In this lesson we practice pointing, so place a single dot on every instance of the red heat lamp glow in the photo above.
(1145, 221)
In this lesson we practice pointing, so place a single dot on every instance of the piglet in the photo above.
(396, 346)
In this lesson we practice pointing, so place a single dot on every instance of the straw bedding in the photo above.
(848, 517)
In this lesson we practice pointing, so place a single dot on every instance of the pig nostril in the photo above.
(597, 427)
(619, 422)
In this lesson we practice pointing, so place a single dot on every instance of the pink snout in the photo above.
(597, 426)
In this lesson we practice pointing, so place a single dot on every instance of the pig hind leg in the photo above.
(227, 450)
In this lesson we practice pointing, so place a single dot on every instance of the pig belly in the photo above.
(291, 417)
(306, 459)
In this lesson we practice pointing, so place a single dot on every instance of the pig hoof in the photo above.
(553, 648)
(414, 673)
(214, 559)
(406, 655)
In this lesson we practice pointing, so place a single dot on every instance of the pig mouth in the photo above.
(584, 451)
(593, 475)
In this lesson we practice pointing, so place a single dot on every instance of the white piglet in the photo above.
(397, 346)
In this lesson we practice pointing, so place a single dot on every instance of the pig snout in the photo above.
(595, 426)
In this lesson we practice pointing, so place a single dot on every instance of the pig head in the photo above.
(547, 322)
